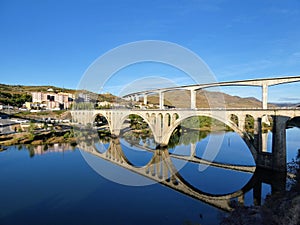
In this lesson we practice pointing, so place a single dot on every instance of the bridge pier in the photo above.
(193, 99)
(279, 143)
(241, 123)
(137, 98)
(264, 96)
(161, 100)
(145, 99)
(276, 160)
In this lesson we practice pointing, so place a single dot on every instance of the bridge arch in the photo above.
(106, 115)
(246, 138)
(146, 117)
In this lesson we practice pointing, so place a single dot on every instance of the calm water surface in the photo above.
(58, 186)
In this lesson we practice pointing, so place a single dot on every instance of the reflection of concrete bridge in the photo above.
(161, 169)
(163, 122)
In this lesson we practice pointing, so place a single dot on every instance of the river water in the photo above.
(61, 184)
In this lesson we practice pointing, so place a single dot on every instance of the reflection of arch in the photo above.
(161, 169)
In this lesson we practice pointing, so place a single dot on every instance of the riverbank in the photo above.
(279, 208)
(37, 138)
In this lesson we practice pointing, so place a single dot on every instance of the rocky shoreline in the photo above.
(279, 208)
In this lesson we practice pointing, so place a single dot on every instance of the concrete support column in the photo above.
(137, 98)
(161, 100)
(242, 123)
(145, 99)
(158, 128)
(257, 134)
(265, 96)
(193, 99)
(279, 143)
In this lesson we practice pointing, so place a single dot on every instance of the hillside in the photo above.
(17, 95)
(21, 89)
(206, 99)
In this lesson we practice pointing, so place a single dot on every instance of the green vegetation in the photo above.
(26, 89)
(16, 99)
(106, 97)
(137, 122)
(108, 106)
(202, 122)
(61, 114)
(249, 123)
(180, 137)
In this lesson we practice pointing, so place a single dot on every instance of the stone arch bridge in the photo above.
(163, 122)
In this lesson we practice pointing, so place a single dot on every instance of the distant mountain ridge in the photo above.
(20, 89)
(207, 99)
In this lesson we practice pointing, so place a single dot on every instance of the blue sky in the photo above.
(53, 42)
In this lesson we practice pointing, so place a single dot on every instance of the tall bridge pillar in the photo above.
(265, 96)
(145, 99)
(161, 100)
(279, 142)
(276, 160)
(241, 123)
(193, 99)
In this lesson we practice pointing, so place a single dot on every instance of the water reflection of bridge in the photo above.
(161, 169)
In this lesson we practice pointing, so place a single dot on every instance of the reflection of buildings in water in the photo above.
(58, 147)
(162, 170)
